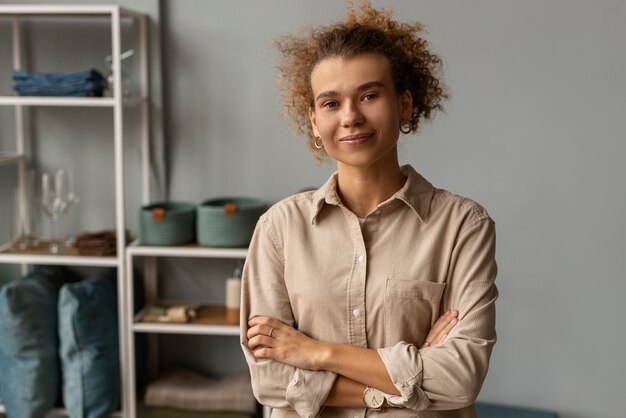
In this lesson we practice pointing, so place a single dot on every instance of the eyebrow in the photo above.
(362, 87)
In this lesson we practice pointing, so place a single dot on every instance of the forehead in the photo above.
(341, 73)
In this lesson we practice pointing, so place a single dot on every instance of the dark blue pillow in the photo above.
(30, 377)
(88, 333)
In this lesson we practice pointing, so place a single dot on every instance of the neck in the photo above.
(362, 189)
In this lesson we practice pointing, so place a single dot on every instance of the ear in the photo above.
(313, 120)
(405, 102)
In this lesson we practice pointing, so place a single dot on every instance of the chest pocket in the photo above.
(411, 308)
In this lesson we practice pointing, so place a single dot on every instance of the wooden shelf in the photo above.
(211, 320)
(7, 157)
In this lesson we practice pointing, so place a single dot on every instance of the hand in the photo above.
(441, 328)
(271, 339)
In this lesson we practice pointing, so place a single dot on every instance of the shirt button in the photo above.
(355, 312)
(360, 259)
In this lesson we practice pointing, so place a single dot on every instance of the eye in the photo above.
(330, 104)
(369, 97)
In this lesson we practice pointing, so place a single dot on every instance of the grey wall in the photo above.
(534, 131)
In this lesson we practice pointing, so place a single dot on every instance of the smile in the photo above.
(356, 139)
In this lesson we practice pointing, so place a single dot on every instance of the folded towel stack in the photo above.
(88, 83)
(98, 243)
(188, 392)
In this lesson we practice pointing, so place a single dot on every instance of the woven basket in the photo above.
(167, 223)
(228, 221)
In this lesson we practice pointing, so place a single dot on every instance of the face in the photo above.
(357, 111)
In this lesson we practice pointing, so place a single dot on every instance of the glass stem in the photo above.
(54, 244)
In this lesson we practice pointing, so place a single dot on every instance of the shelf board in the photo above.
(211, 320)
(64, 10)
(7, 157)
(66, 101)
(195, 329)
(57, 101)
(62, 412)
(188, 250)
(71, 259)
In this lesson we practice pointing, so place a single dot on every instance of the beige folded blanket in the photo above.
(152, 412)
(186, 390)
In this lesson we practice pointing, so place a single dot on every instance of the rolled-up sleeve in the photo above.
(450, 374)
(264, 293)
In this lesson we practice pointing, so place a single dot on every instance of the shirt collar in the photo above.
(416, 193)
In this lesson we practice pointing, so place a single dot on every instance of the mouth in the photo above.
(356, 139)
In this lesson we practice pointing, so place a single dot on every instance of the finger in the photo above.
(261, 330)
(444, 332)
(442, 335)
(441, 326)
(265, 320)
(264, 353)
(441, 323)
(437, 337)
(445, 321)
(260, 340)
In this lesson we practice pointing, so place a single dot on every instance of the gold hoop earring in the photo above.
(321, 144)
(405, 127)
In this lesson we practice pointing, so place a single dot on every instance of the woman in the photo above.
(343, 286)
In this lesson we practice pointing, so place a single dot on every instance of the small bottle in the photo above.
(233, 296)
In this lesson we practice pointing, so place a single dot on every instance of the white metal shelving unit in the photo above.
(149, 254)
(116, 103)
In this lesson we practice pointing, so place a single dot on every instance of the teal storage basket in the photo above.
(228, 221)
(167, 224)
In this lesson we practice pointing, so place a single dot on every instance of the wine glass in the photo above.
(52, 192)
(25, 219)
(70, 201)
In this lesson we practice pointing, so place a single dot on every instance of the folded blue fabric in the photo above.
(88, 333)
(30, 377)
(81, 83)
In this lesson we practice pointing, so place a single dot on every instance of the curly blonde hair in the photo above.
(413, 66)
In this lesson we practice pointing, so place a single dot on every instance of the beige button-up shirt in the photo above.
(381, 285)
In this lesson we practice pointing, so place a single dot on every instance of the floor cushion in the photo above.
(30, 378)
(88, 334)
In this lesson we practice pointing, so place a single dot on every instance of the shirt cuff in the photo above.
(404, 365)
(308, 390)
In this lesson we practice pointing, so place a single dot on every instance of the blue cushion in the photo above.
(88, 332)
(28, 343)
(487, 410)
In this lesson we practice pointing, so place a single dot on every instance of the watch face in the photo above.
(373, 398)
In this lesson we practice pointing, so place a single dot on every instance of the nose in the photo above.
(351, 115)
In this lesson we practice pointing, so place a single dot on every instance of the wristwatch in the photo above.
(373, 398)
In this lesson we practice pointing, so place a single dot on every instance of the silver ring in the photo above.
(269, 334)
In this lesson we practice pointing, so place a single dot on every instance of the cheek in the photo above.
(325, 126)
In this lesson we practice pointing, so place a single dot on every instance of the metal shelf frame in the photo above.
(108, 102)
(114, 14)
(150, 254)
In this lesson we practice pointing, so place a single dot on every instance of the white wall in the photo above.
(534, 131)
